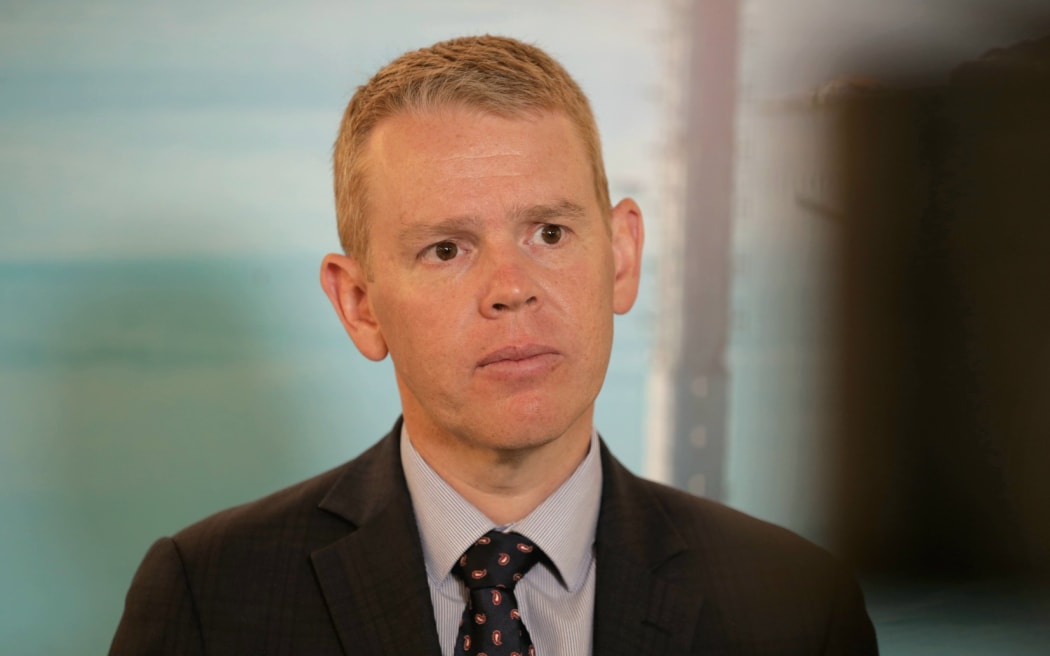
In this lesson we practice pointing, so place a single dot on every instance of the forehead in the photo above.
(461, 144)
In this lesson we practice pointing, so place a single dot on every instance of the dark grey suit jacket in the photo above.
(334, 565)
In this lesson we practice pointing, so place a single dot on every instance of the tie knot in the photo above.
(497, 560)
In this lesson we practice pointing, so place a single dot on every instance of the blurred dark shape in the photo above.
(943, 436)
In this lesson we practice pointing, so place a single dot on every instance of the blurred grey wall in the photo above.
(748, 384)
(863, 357)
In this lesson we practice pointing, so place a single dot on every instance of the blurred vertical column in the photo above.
(689, 390)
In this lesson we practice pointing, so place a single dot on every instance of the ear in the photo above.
(628, 236)
(347, 286)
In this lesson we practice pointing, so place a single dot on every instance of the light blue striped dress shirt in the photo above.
(557, 607)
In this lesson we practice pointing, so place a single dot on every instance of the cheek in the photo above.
(587, 291)
(421, 328)
(587, 319)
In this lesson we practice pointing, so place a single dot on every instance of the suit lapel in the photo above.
(639, 607)
(374, 579)
(379, 607)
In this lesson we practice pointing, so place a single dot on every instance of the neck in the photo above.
(506, 484)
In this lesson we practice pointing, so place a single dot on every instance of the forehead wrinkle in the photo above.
(488, 165)
(509, 152)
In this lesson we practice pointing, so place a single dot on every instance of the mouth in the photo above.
(511, 355)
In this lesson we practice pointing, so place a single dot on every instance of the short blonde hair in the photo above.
(498, 75)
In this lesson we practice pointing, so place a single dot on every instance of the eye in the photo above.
(551, 234)
(445, 250)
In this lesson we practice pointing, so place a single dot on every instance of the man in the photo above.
(483, 255)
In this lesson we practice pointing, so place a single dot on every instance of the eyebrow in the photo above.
(542, 213)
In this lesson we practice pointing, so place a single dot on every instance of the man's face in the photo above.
(494, 276)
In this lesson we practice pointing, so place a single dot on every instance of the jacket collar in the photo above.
(639, 607)
(379, 606)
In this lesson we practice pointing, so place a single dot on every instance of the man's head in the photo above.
(491, 74)
(495, 263)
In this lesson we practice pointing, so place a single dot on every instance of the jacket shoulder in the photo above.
(243, 579)
(704, 521)
(293, 504)
(761, 582)
(298, 515)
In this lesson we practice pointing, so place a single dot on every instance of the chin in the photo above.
(534, 425)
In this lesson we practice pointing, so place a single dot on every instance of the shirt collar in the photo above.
(563, 526)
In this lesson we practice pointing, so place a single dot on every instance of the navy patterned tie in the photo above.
(491, 624)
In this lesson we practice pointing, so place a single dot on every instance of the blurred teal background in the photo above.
(165, 201)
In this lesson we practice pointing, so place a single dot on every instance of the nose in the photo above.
(509, 285)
